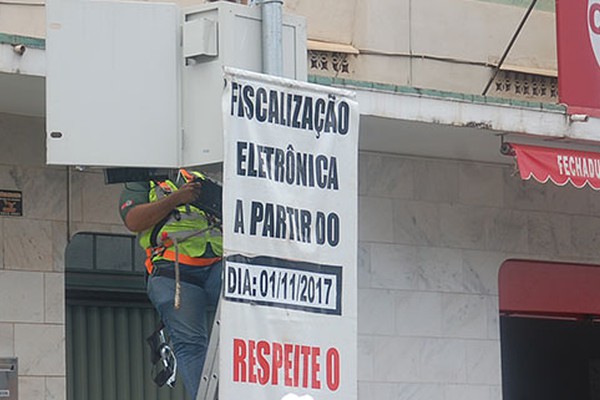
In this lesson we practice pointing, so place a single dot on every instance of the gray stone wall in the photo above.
(433, 235)
(32, 247)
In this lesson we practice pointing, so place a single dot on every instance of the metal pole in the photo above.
(510, 45)
(272, 23)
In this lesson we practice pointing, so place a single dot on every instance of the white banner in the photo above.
(288, 315)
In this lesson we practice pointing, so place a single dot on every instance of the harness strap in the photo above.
(171, 255)
(177, 300)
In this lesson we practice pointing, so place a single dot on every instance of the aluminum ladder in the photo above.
(209, 382)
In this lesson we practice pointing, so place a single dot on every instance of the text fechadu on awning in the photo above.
(561, 166)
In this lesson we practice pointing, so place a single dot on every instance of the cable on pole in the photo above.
(509, 47)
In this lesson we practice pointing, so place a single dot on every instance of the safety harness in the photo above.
(167, 244)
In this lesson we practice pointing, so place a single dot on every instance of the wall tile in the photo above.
(493, 314)
(396, 359)
(56, 388)
(440, 269)
(376, 312)
(21, 296)
(523, 195)
(436, 180)
(464, 316)
(421, 391)
(7, 340)
(45, 193)
(463, 226)
(366, 348)
(22, 138)
(506, 230)
(399, 391)
(443, 360)
(375, 222)
(418, 314)
(385, 176)
(567, 199)
(364, 265)
(483, 362)
(416, 222)
(54, 293)
(100, 202)
(480, 184)
(585, 235)
(394, 267)
(77, 179)
(59, 245)
(466, 392)
(549, 234)
(31, 387)
(7, 180)
(496, 392)
(28, 245)
(480, 271)
(41, 349)
(2, 262)
(594, 204)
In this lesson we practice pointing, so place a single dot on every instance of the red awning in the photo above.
(558, 165)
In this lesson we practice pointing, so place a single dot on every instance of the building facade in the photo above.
(440, 209)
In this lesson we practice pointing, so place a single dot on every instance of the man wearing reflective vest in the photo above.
(183, 245)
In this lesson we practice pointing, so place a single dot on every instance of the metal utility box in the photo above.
(9, 379)
(112, 83)
(139, 84)
(225, 34)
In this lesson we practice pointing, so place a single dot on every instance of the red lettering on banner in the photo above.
(251, 362)
(277, 362)
(316, 384)
(263, 349)
(239, 363)
(592, 18)
(332, 361)
(288, 364)
(305, 352)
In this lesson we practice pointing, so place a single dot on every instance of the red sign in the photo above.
(578, 46)
(549, 289)
(558, 165)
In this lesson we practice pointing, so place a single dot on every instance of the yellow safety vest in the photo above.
(187, 227)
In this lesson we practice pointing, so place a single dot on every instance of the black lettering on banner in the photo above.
(307, 114)
(234, 97)
(344, 118)
(278, 221)
(256, 214)
(330, 120)
(239, 217)
(261, 105)
(287, 166)
(241, 157)
(282, 283)
(297, 106)
(279, 165)
(268, 228)
(278, 107)
(290, 165)
(248, 95)
(319, 116)
(273, 107)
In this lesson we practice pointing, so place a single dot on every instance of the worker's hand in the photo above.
(188, 193)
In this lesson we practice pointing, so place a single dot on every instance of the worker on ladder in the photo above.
(182, 237)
